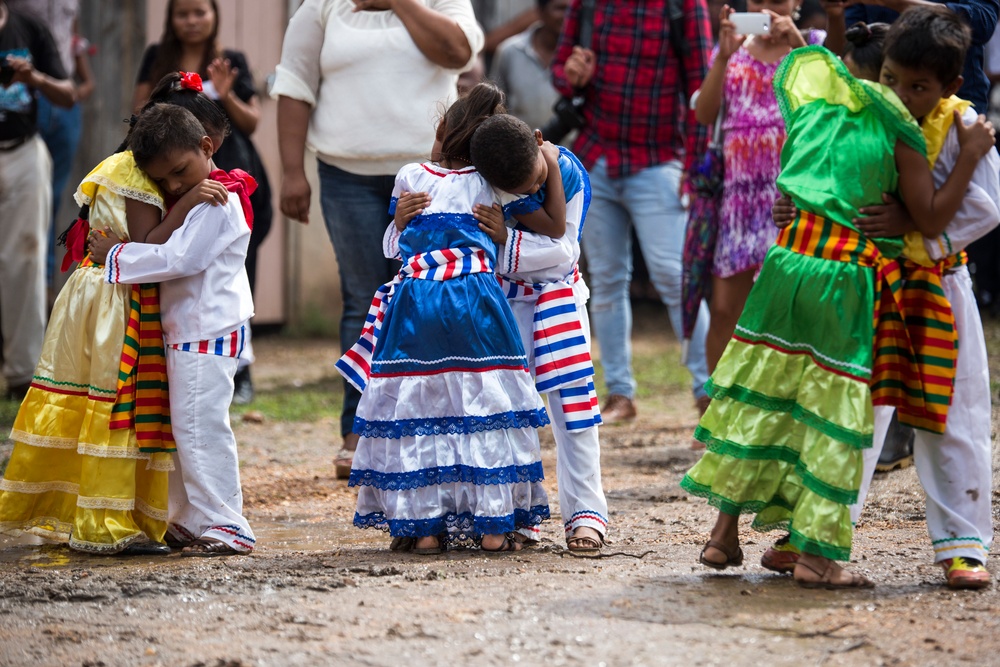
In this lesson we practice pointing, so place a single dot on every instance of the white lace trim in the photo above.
(118, 188)
(805, 346)
(161, 465)
(98, 503)
(103, 547)
(150, 511)
(105, 452)
(38, 487)
(49, 442)
(390, 362)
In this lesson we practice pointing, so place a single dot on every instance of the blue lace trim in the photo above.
(416, 479)
(524, 205)
(437, 222)
(452, 527)
(395, 430)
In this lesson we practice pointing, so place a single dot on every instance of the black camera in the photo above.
(567, 116)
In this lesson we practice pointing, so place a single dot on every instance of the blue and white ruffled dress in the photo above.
(448, 412)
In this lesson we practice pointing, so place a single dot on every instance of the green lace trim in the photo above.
(721, 503)
(959, 539)
(892, 116)
(776, 453)
(58, 383)
(798, 412)
(815, 547)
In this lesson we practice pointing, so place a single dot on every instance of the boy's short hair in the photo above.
(164, 128)
(504, 151)
(932, 38)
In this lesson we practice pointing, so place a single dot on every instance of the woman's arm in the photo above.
(244, 115)
(439, 37)
(293, 122)
(706, 108)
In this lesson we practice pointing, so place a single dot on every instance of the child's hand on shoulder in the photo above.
(550, 152)
(491, 221)
(408, 206)
(100, 244)
(889, 219)
(978, 138)
(206, 192)
(783, 211)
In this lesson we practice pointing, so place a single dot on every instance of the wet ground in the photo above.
(319, 592)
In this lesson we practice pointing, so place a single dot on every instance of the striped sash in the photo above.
(143, 401)
(355, 364)
(230, 345)
(562, 355)
(913, 369)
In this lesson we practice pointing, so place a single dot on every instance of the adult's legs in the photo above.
(653, 202)
(25, 213)
(607, 244)
(60, 130)
(729, 295)
(356, 213)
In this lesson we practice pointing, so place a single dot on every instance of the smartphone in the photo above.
(6, 73)
(751, 23)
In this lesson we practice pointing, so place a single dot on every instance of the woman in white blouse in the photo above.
(361, 83)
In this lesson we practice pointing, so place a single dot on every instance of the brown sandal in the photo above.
(584, 543)
(826, 578)
(733, 558)
(206, 547)
(507, 545)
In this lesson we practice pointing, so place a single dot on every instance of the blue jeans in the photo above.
(356, 213)
(60, 130)
(648, 201)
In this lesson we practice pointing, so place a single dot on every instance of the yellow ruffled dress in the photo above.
(71, 477)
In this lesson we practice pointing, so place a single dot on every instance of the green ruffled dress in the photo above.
(792, 408)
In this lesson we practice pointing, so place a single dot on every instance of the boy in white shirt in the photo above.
(205, 306)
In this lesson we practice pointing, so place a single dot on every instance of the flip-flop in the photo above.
(733, 558)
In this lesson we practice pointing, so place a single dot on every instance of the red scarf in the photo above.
(243, 184)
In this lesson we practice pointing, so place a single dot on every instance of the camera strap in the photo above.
(587, 9)
(675, 12)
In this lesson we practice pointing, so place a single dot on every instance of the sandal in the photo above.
(401, 544)
(506, 546)
(206, 547)
(523, 540)
(733, 558)
(426, 551)
(584, 543)
(826, 578)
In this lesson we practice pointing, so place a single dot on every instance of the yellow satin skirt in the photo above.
(70, 477)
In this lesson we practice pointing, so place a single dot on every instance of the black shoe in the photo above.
(17, 392)
(898, 449)
(145, 548)
(243, 394)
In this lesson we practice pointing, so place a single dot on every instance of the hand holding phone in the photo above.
(751, 23)
(6, 72)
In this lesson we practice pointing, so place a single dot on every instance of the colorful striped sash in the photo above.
(562, 354)
(930, 322)
(143, 401)
(356, 364)
(911, 368)
(230, 345)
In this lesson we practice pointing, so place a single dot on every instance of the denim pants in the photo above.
(649, 202)
(60, 129)
(356, 213)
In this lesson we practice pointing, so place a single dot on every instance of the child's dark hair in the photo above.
(504, 151)
(463, 117)
(162, 129)
(170, 91)
(864, 45)
(929, 38)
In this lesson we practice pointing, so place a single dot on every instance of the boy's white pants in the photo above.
(955, 467)
(578, 453)
(205, 495)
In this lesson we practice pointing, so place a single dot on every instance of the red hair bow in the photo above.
(191, 81)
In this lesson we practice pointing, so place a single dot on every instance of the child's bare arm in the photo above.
(932, 209)
(206, 192)
(550, 220)
(408, 206)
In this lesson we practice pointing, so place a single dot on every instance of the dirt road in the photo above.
(319, 592)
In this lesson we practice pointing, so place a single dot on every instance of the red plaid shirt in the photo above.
(634, 114)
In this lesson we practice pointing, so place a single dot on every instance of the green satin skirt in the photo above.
(791, 405)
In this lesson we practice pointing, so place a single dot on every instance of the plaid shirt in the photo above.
(634, 114)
